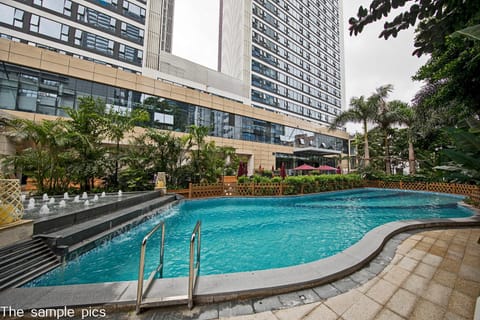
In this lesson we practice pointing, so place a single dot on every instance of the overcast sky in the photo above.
(370, 62)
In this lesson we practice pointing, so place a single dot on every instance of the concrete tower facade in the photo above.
(294, 51)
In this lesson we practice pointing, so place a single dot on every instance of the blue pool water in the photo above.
(246, 234)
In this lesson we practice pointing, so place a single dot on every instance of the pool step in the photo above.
(86, 235)
(25, 261)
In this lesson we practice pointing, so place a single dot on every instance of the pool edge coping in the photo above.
(242, 285)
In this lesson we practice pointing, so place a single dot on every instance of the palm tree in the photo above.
(406, 116)
(362, 111)
(384, 118)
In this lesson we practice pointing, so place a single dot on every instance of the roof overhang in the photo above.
(312, 151)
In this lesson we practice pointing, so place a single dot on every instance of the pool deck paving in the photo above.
(432, 274)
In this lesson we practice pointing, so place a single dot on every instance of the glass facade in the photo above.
(120, 39)
(31, 90)
(296, 57)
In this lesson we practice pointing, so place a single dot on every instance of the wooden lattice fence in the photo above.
(11, 207)
(277, 189)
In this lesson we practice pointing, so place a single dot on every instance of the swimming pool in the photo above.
(246, 234)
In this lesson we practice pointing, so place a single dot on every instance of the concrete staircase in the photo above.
(24, 261)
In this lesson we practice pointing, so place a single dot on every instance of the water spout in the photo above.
(65, 196)
(95, 198)
(103, 194)
(44, 209)
(84, 196)
(51, 201)
(23, 197)
(62, 204)
(76, 199)
(31, 204)
(119, 193)
(86, 203)
(45, 197)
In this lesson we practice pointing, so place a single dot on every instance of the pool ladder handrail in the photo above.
(194, 264)
(194, 269)
(141, 270)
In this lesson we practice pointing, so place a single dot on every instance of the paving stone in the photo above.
(407, 263)
(469, 273)
(386, 314)
(364, 308)
(402, 302)
(382, 291)
(326, 291)
(297, 298)
(362, 276)
(461, 304)
(345, 284)
(437, 293)
(423, 246)
(416, 254)
(425, 270)
(471, 260)
(397, 275)
(426, 310)
(343, 302)
(267, 315)
(267, 304)
(453, 316)
(375, 268)
(231, 309)
(308, 296)
(415, 284)
(321, 312)
(470, 288)
(432, 259)
(296, 312)
(445, 278)
(367, 285)
(450, 265)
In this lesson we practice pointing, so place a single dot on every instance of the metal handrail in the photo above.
(141, 271)
(194, 270)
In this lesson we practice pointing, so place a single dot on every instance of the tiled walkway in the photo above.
(434, 275)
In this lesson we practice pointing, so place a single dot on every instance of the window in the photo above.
(61, 6)
(133, 11)
(132, 32)
(49, 28)
(130, 54)
(11, 16)
(94, 42)
(96, 18)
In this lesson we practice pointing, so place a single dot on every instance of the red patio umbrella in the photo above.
(326, 168)
(305, 167)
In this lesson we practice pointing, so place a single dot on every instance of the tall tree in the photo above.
(385, 117)
(406, 116)
(118, 123)
(86, 131)
(361, 111)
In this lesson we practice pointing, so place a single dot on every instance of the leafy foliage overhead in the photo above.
(437, 19)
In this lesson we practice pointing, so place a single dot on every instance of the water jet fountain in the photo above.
(44, 210)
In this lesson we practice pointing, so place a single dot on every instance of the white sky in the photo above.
(370, 62)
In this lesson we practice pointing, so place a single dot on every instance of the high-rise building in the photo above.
(111, 32)
(289, 51)
(54, 51)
